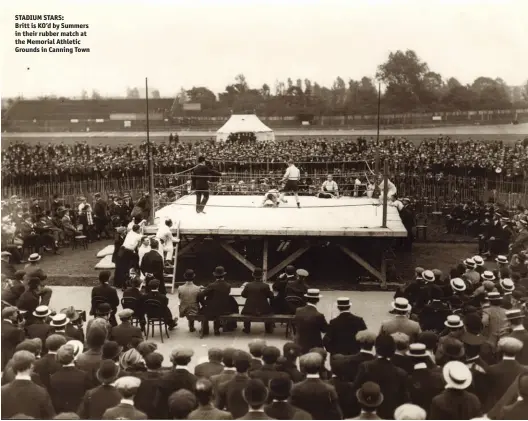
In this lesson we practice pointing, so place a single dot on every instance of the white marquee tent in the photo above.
(240, 123)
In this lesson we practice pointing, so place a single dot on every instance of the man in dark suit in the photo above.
(280, 408)
(340, 337)
(344, 389)
(291, 351)
(256, 395)
(152, 262)
(256, 346)
(212, 367)
(74, 329)
(200, 179)
(127, 387)
(48, 364)
(40, 328)
(258, 297)
(392, 380)
(68, 385)
(145, 399)
(503, 374)
(23, 396)
(12, 334)
(7, 269)
(369, 397)
(109, 293)
(518, 410)
(206, 410)
(309, 323)
(134, 291)
(100, 213)
(178, 378)
(280, 306)
(228, 359)
(518, 331)
(215, 300)
(125, 334)
(268, 371)
(30, 299)
(154, 294)
(229, 395)
(314, 395)
(105, 396)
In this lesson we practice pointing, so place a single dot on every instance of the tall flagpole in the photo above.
(150, 163)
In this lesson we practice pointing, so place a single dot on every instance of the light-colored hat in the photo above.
(78, 347)
(453, 321)
(127, 383)
(502, 260)
(126, 313)
(457, 375)
(507, 285)
(302, 273)
(428, 276)
(59, 320)
(514, 314)
(488, 276)
(71, 313)
(458, 284)
(417, 350)
(35, 257)
(479, 261)
(409, 411)
(494, 296)
(42, 311)
(5, 254)
(181, 352)
(343, 302)
(313, 293)
(470, 263)
(509, 345)
(401, 304)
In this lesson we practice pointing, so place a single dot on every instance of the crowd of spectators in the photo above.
(24, 163)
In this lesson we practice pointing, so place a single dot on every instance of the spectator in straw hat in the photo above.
(188, 295)
(455, 402)
(310, 323)
(74, 329)
(59, 323)
(409, 411)
(340, 337)
(40, 327)
(506, 286)
(494, 319)
(401, 322)
(127, 388)
(36, 402)
(97, 400)
(518, 331)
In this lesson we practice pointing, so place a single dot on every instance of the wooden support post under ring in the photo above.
(265, 260)
(363, 263)
(385, 191)
(176, 248)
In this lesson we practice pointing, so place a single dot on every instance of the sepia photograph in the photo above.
(250, 209)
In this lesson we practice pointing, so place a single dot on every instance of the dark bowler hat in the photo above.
(290, 270)
(104, 308)
(370, 395)
(343, 302)
(257, 273)
(189, 274)
(108, 372)
(219, 272)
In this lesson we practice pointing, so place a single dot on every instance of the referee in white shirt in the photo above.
(291, 179)
(329, 188)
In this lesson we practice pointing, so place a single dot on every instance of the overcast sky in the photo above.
(207, 43)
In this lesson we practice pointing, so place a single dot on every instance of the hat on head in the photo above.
(41, 312)
(454, 321)
(127, 383)
(255, 393)
(103, 309)
(312, 359)
(35, 257)
(130, 358)
(180, 353)
(290, 270)
(457, 375)
(257, 345)
(9, 312)
(280, 387)
(219, 272)
(59, 320)
(5, 254)
(488, 276)
(146, 347)
(514, 314)
(125, 314)
(453, 348)
(257, 273)
(479, 261)
(343, 302)
(458, 284)
(470, 263)
(108, 372)
(189, 274)
(409, 411)
(302, 273)
(313, 293)
(437, 273)
(111, 350)
(417, 350)
(401, 304)
(428, 276)
(494, 296)
(507, 285)
(78, 347)
(291, 350)
(370, 395)
(419, 270)
(509, 345)
(65, 354)
(71, 313)
(501, 260)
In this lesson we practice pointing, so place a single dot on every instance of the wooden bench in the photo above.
(272, 318)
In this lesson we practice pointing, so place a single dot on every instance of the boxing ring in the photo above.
(352, 224)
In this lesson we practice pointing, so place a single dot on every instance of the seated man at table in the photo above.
(258, 297)
(154, 294)
(215, 300)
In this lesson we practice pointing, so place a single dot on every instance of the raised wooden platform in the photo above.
(243, 215)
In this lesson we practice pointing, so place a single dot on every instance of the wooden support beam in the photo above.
(291, 258)
(265, 260)
(381, 276)
(383, 270)
(237, 255)
(194, 242)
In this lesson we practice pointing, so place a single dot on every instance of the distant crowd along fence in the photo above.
(445, 189)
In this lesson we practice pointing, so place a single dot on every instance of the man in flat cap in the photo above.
(212, 367)
(125, 334)
(12, 334)
(258, 297)
(22, 395)
(297, 288)
(314, 395)
(178, 378)
(127, 387)
(310, 323)
(340, 337)
(215, 300)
